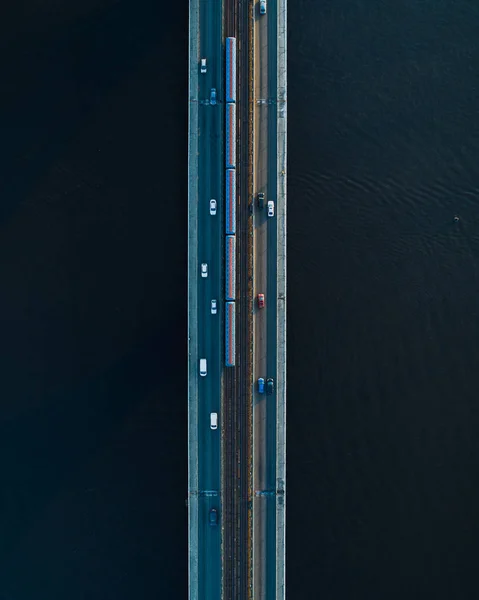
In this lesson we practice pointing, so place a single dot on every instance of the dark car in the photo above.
(213, 517)
(269, 386)
(261, 200)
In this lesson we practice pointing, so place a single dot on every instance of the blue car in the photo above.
(260, 385)
(213, 96)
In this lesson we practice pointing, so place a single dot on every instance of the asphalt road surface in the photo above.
(210, 337)
(265, 260)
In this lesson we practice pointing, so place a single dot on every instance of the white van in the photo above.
(203, 367)
(214, 420)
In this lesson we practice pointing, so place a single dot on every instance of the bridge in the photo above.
(237, 299)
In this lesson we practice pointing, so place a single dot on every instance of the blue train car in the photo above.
(230, 202)
(230, 136)
(230, 69)
(230, 334)
(230, 283)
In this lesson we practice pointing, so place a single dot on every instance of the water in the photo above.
(383, 285)
(93, 302)
(383, 289)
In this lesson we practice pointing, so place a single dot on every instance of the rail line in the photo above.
(229, 425)
(237, 390)
(244, 387)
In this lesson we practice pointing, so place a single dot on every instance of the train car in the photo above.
(230, 202)
(230, 283)
(230, 334)
(230, 69)
(230, 136)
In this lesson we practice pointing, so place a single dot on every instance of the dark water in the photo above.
(383, 299)
(383, 483)
(93, 301)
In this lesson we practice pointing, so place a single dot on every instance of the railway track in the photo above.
(237, 381)
(243, 379)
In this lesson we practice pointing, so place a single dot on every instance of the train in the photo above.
(230, 136)
(230, 226)
(230, 283)
(230, 216)
(230, 95)
(230, 334)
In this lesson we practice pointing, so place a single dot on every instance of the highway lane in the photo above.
(265, 320)
(261, 152)
(210, 243)
(272, 291)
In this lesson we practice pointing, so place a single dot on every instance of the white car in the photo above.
(214, 420)
(212, 206)
(204, 270)
(270, 208)
(213, 307)
(203, 65)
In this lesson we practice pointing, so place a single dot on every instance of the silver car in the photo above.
(212, 206)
